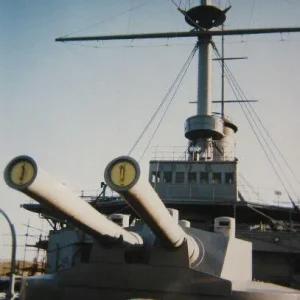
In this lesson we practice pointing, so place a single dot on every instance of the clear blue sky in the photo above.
(75, 107)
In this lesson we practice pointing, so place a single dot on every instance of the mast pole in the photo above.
(223, 73)
(204, 73)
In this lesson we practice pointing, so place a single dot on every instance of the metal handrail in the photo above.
(11, 292)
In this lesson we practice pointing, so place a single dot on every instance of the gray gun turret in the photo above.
(181, 263)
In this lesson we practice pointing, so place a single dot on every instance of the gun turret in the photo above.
(123, 175)
(225, 272)
(24, 175)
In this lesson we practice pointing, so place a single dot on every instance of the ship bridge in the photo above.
(193, 179)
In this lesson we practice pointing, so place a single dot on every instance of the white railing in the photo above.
(170, 153)
(181, 153)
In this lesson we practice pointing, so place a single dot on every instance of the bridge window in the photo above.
(229, 178)
(192, 177)
(204, 177)
(179, 177)
(217, 178)
(155, 177)
(167, 177)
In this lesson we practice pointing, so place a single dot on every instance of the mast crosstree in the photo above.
(179, 34)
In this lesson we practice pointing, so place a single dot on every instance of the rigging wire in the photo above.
(274, 144)
(274, 221)
(177, 5)
(240, 95)
(252, 12)
(171, 100)
(130, 17)
(270, 161)
(242, 188)
(247, 105)
(164, 99)
(108, 19)
(250, 186)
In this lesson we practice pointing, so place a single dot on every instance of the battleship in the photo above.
(185, 233)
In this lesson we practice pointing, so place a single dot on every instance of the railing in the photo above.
(11, 291)
(180, 153)
(170, 153)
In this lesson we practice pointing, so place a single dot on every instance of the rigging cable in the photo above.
(171, 100)
(240, 92)
(274, 221)
(109, 18)
(274, 144)
(247, 105)
(249, 186)
(129, 17)
(271, 163)
(242, 189)
(237, 90)
(165, 98)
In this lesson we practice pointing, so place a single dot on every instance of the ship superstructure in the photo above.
(202, 186)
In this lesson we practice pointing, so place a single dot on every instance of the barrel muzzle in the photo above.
(23, 174)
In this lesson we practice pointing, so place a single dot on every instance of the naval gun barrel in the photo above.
(124, 177)
(23, 174)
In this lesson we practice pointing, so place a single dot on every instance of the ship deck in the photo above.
(244, 212)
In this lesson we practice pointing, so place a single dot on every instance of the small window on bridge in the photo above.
(204, 177)
(192, 177)
(167, 177)
(229, 178)
(217, 178)
(179, 177)
(155, 177)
